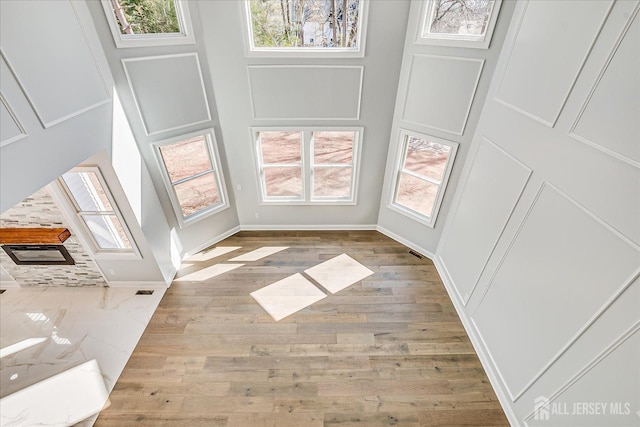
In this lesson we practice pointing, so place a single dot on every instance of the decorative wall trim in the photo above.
(623, 287)
(551, 123)
(472, 98)
(599, 358)
(23, 132)
(253, 107)
(480, 348)
(504, 226)
(103, 79)
(137, 102)
(572, 131)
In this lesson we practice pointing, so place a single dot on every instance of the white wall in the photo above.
(279, 98)
(167, 93)
(541, 249)
(440, 93)
(57, 94)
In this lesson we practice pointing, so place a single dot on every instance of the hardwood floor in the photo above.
(389, 350)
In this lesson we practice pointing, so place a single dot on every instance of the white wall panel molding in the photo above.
(628, 334)
(431, 104)
(168, 90)
(479, 345)
(56, 90)
(612, 125)
(473, 233)
(305, 92)
(12, 130)
(555, 238)
(543, 66)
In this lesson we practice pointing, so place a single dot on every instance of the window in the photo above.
(300, 166)
(463, 23)
(97, 211)
(315, 27)
(424, 164)
(136, 23)
(191, 172)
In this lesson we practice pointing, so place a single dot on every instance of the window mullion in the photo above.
(419, 176)
(187, 178)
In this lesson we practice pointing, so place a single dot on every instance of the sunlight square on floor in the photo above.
(260, 253)
(287, 296)
(212, 253)
(338, 273)
(207, 273)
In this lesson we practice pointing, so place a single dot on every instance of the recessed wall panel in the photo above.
(611, 118)
(11, 130)
(169, 91)
(543, 65)
(305, 92)
(613, 385)
(51, 59)
(561, 268)
(440, 91)
(490, 194)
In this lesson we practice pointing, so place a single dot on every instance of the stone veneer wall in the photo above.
(39, 210)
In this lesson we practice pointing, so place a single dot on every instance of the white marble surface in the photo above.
(64, 399)
(338, 273)
(80, 324)
(287, 296)
(260, 253)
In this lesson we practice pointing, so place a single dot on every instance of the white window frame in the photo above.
(158, 39)
(308, 167)
(87, 237)
(305, 52)
(214, 158)
(455, 40)
(401, 154)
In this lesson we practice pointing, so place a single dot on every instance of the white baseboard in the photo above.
(478, 344)
(310, 227)
(9, 284)
(140, 285)
(405, 242)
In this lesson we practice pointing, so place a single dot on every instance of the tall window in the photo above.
(136, 23)
(97, 211)
(308, 165)
(464, 23)
(306, 25)
(424, 164)
(192, 175)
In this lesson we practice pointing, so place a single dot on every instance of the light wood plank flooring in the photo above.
(389, 350)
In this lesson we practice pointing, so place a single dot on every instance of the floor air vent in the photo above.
(416, 254)
(2, 291)
(144, 292)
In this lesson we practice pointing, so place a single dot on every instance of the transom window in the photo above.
(136, 23)
(465, 23)
(192, 175)
(301, 166)
(306, 26)
(424, 164)
(97, 211)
